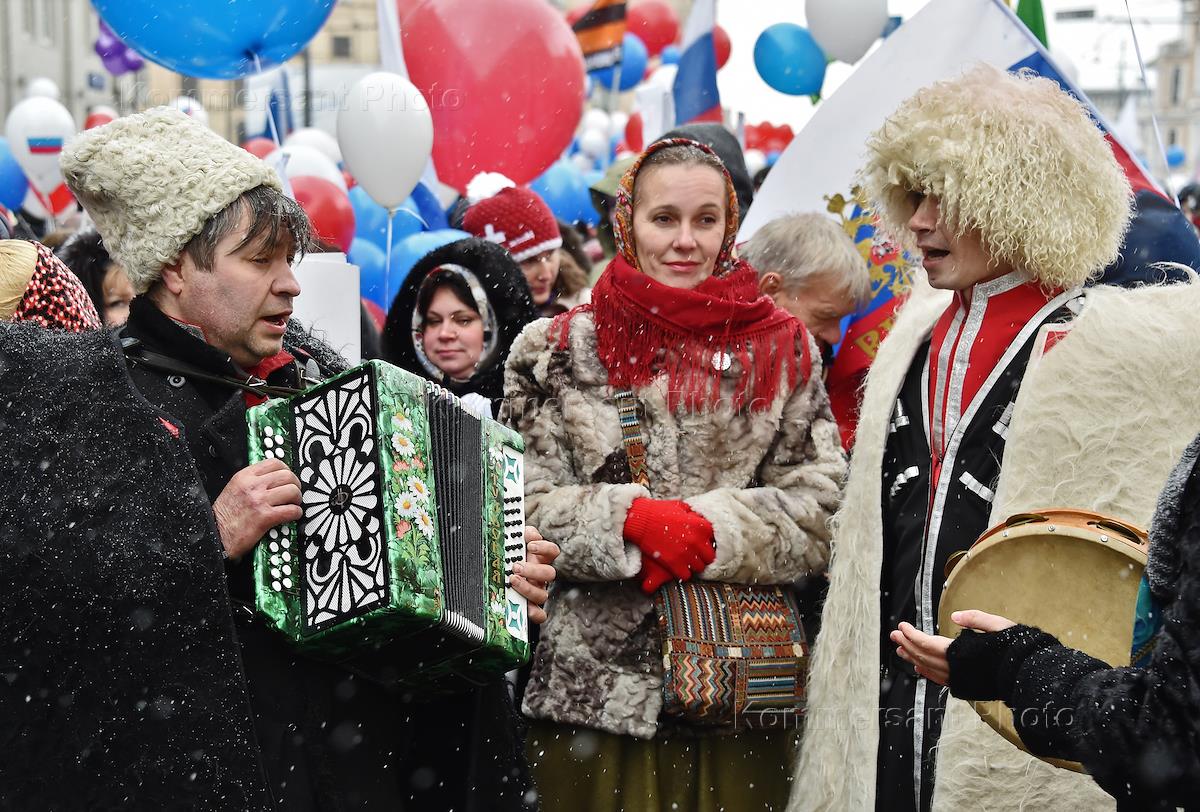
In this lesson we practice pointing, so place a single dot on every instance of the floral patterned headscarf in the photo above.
(623, 214)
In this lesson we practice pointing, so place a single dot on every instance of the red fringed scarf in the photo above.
(645, 328)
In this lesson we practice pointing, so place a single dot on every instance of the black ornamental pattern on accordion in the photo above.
(342, 532)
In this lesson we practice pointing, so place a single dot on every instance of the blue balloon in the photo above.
(371, 219)
(405, 255)
(1175, 156)
(428, 206)
(13, 185)
(370, 260)
(670, 55)
(772, 157)
(790, 60)
(633, 65)
(216, 40)
(565, 191)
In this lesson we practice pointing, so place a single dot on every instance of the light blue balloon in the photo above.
(405, 255)
(790, 60)
(565, 191)
(772, 157)
(370, 260)
(633, 65)
(371, 219)
(1176, 156)
(13, 184)
(670, 55)
(216, 40)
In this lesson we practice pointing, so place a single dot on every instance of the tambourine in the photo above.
(1072, 573)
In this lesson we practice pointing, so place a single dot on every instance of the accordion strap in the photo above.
(136, 355)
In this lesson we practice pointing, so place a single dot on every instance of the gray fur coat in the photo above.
(767, 481)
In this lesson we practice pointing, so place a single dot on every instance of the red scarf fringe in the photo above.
(644, 329)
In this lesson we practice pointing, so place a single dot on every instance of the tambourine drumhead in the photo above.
(1072, 573)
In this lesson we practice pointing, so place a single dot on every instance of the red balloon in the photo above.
(634, 133)
(261, 147)
(654, 22)
(328, 207)
(504, 81)
(722, 45)
(97, 120)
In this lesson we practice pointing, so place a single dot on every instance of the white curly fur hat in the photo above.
(151, 181)
(1013, 157)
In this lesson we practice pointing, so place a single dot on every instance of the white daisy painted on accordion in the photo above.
(401, 423)
(418, 489)
(425, 523)
(402, 445)
(406, 506)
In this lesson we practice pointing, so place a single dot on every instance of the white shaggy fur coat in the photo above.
(1099, 421)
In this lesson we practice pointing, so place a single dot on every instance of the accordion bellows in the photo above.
(413, 515)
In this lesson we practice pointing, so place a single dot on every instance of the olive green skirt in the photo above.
(582, 770)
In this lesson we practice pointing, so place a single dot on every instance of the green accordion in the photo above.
(413, 516)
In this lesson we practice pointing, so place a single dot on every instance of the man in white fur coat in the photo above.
(1003, 387)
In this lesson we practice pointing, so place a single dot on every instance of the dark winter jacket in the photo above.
(1135, 730)
(122, 681)
(507, 293)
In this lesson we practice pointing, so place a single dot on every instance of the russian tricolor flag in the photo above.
(45, 146)
(696, 94)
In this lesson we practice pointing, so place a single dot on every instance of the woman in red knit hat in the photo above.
(729, 473)
(518, 219)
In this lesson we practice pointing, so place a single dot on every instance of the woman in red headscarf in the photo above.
(727, 469)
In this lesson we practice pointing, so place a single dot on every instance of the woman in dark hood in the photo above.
(486, 284)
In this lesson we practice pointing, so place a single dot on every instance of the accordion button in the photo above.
(274, 560)
(274, 547)
(275, 585)
(287, 556)
(287, 570)
(274, 572)
(268, 431)
(274, 533)
(287, 583)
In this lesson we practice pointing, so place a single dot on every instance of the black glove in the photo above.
(984, 665)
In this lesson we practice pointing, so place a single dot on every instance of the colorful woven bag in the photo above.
(733, 655)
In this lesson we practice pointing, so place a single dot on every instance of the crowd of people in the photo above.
(668, 384)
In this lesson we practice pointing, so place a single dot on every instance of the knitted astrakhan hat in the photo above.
(514, 217)
(151, 181)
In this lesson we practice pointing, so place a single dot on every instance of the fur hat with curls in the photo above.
(1013, 157)
(152, 180)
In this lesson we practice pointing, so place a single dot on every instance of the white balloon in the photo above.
(755, 161)
(36, 130)
(595, 119)
(386, 135)
(582, 162)
(191, 107)
(617, 124)
(846, 29)
(594, 143)
(306, 161)
(42, 86)
(319, 140)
